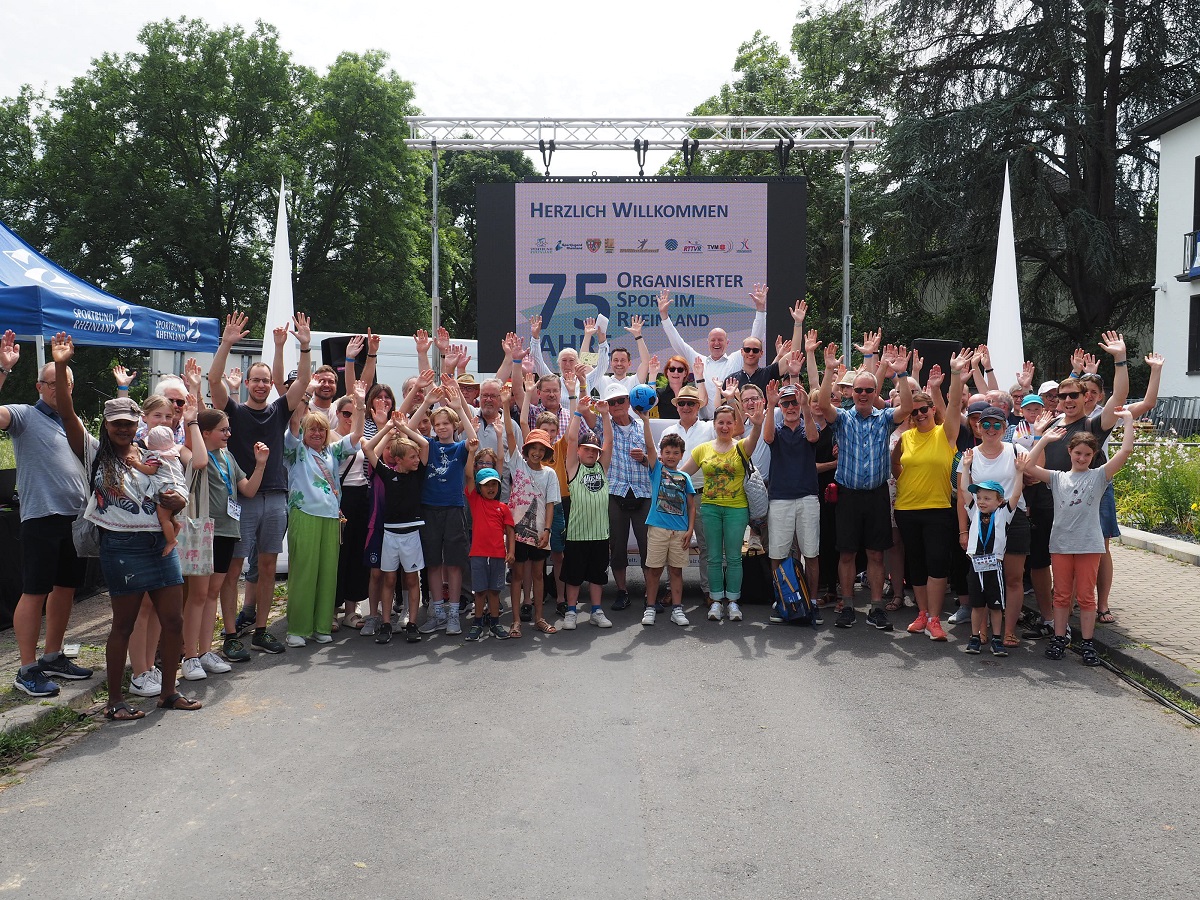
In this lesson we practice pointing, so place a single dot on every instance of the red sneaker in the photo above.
(936, 633)
(919, 624)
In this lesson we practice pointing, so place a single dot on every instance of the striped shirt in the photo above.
(589, 505)
(625, 473)
(864, 462)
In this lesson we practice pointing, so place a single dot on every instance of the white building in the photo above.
(1177, 288)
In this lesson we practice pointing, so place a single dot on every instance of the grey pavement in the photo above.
(722, 760)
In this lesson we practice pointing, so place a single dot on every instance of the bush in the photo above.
(8, 458)
(1158, 489)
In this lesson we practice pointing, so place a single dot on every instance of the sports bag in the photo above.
(792, 603)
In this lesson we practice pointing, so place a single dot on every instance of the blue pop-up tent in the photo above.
(38, 299)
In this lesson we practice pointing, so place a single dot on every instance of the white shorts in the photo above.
(798, 519)
(401, 552)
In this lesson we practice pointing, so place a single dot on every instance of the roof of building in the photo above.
(1177, 115)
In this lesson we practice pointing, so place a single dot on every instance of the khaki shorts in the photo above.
(798, 519)
(665, 548)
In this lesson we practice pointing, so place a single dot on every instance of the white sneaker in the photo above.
(648, 616)
(600, 620)
(322, 638)
(735, 611)
(961, 616)
(370, 623)
(144, 685)
(193, 670)
(678, 617)
(569, 621)
(715, 612)
(294, 640)
(214, 664)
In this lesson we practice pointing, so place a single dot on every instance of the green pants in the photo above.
(313, 547)
(724, 530)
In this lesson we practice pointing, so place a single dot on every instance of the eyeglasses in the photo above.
(864, 390)
(618, 401)
(752, 349)
(991, 425)
(1069, 396)
(921, 411)
(789, 402)
(345, 414)
(676, 369)
(258, 380)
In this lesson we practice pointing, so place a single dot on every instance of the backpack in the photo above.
(792, 603)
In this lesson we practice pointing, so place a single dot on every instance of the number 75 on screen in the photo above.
(557, 282)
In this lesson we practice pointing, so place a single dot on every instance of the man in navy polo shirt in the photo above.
(795, 510)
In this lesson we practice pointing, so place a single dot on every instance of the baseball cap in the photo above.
(1032, 400)
(615, 390)
(122, 409)
(994, 412)
(486, 474)
(1048, 386)
(987, 486)
(788, 390)
(978, 406)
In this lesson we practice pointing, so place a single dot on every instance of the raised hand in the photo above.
(464, 359)
(450, 360)
(1125, 416)
(653, 367)
(664, 303)
(960, 361)
(795, 363)
(898, 364)
(280, 334)
(527, 364)
(10, 350)
(123, 378)
(799, 311)
(1113, 343)
(759, 295)
(918, 363)
(530, 380)
(443, 339)
(635, 326)
(360, 391)
(811, 342)
(518, 349)
(535, 327)
(1055, 434)
(589, 327)
(1091, 364)
(784, 348)
(935, 378)
(831, 354)
(773, 393)
(698, 368)
(233, 378)
(1154, 360)
(303, 328)
(870, 342)
(423, 341)
(571, 380)
(62, 348)
(1043, 422)
(354, 345)
(985, 356)
(425, 379)
(372, 342)
(190, 409)
(1025, 376)
(1077, 360)
(193, 375)
(506, 397)
(235, 328)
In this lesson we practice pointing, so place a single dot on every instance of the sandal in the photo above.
(1011, 640)
(122, 712)
(354, 621)
(1105, 617)
(335, 627)
(544, 627)
(896, 603)
(178, 701)
(515, 631)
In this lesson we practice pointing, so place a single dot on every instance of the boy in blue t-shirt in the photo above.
(670, 522)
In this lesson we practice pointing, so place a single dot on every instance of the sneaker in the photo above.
(63, 668)
(961, 616)
(877, 618)
(267, 643)
(600, 620)
(1057, 647)
(34, 683)
(561, 607)
(244, 623)
(715, 612)
(526, 612)
(936, 632)
(678, 617)
(499, 632)
(845, 618)
(370, 623)
(734, 611)
(622, 601)
(475, 632)
(648, 615)
(817, 618)
(411, 633)
(322, 638)
(295, 640)
(775, 619)
(452, 620)
(919, 624)
(974, 645)
(569, 620)
(1090, 656)
(193, 670)
(1044, 630)
(435, 622)
(214, 664)
(384, 634)
(998, 648)
(145, 685)
(234, 650)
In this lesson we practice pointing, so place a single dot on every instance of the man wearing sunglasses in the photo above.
(628, 488)
(864, 462)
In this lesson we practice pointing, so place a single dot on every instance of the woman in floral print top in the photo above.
(314, 529)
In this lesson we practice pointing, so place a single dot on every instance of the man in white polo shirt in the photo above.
(694, 432)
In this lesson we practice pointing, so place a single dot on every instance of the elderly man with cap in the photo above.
(694, 432)
(628, 487)
(53, 490)
(1048, 391)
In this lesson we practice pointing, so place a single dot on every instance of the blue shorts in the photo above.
(1108, 513)
(132, 562)
(487, 574)
(558, 528)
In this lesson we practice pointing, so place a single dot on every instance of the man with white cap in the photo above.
(628, 487)
(1048, 391)
(694, 431)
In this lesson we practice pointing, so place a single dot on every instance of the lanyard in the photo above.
(987, 537)
(226, 474)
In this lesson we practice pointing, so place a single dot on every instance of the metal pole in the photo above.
(40, 344)
(436, 320)
(846, 342)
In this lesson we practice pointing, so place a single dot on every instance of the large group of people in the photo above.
(936, 485)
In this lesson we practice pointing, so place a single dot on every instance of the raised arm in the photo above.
(825, 393)
(1114, 345)
(304, 367)
(1033, 465)
(278, 375)
(235, 330)
(535, 346)
(904, 410)
(606, 451)
(469, 465)
(370, 448)
(758, 327)
(1125, 418)
(648, 437)
(1147, 403)
(636, 323)
(768, 427)
(572, 460)
(249, 486)
(62, 349)
(678, 344)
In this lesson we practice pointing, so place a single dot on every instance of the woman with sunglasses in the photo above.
(923, 460)
(678, 372)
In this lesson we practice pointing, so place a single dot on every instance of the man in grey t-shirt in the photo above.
(53, 491)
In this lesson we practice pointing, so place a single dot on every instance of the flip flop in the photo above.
(1106, 617)
(113, 713)
(178, 701)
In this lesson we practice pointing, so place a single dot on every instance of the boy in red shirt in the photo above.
(493, 535)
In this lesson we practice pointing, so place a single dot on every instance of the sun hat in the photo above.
(687, 392)
(122, 409)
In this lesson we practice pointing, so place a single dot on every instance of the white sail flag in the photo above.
(1005, 341)
(279, 300)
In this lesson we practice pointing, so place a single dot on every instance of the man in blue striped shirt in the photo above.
(863, 506)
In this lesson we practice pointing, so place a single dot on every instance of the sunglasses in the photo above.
(618, 401)
(346, 414)
(179, 403)
(687, 403)
(991, 424)
(752, 349)
(864, 390)
(789, 402)
(921, 411)
(675, 369)
(1069, 396)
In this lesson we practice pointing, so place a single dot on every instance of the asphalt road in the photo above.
(730, 760)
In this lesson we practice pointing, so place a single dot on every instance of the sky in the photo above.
(572, 59)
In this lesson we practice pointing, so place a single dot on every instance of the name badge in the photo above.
(986, 562)
(234, 509)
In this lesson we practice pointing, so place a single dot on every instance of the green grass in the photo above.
(22, 744)
(8, 458)
(1169, 692)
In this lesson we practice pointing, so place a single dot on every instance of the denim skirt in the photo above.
(132, 562)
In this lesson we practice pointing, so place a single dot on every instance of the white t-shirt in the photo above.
(1002, 469)
(700, 433)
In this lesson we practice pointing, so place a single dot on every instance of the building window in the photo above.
(1193, 361)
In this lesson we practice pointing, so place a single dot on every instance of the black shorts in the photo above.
(585, 561)
(48, 555)
(929, 540)
(444, 536)
(864, 519)
(985, 588)
(530, 553)
(1041, 522)
(223, 554)
(1019, 534)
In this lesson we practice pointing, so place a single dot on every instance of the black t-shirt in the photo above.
(667, 409)
(823, 451)
(402, 495)
(248, 427)
(1058, 457)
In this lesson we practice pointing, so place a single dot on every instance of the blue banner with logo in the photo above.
(38, 297)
